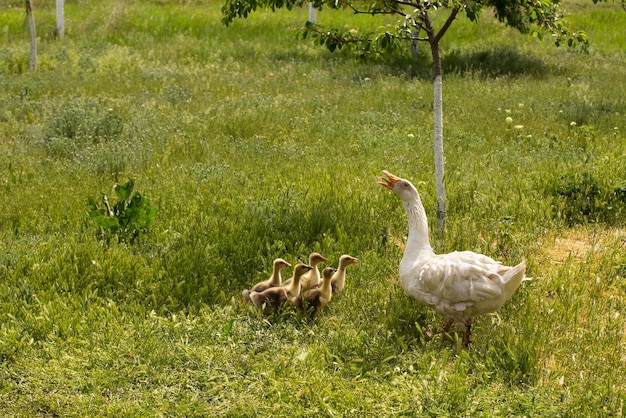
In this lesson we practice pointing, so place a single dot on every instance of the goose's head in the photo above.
(328, 272)
(403, 188)
(280, 264)
(345, 260)
(316, 258)
(300, 269)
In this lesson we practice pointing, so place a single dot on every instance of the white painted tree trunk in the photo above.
(60, 18)
(414, 44)
(33, 35)
(312, 13)
(438, 119)
(439, 160)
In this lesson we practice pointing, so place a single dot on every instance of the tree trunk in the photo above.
(60, 18)
(33, 35)
(438, 139)
(414, 46)
(433, 39)
(312, 13)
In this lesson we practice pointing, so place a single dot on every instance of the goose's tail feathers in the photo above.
(514, 277)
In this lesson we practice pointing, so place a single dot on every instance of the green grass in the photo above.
(253, 145)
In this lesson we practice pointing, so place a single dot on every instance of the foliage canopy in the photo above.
(414, 17)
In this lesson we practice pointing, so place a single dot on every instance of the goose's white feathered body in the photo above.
(459, 285)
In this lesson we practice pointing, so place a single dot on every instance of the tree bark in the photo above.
(438, 142)
(60, 18)
(414, 45)
(438, 123)
(312, 13)
(33, 35)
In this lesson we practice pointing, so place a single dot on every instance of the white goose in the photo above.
(458, 285)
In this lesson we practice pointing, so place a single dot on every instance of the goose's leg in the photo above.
(430, 333)
(468, 329)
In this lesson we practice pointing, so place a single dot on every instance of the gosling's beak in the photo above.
(389, 182)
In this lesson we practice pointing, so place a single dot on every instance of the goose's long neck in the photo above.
(294, 287)
(314, 277)
(276, 279)
(326, 288)
(340, 275)
(418, 228)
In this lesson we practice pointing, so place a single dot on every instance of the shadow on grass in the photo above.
(502, 61)
(409, 321)
(494, 62)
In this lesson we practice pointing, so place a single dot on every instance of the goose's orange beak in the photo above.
(389, 182)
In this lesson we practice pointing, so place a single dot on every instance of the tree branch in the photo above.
(408, 3)
(428, 27)
(368, 12)
(362, 12)
(446, 25)
(397, 11)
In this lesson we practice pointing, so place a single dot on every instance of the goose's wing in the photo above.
(261, 286)
(313, 297)
(458, 280)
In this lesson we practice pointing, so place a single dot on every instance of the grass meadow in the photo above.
(251, 144)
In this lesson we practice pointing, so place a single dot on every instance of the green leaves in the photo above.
(242, 8)
(367, 46)
(332, 39)
(534, 17)
(131, 215)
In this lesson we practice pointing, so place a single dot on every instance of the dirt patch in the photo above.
(578, 242)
